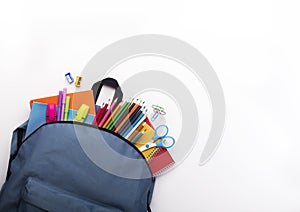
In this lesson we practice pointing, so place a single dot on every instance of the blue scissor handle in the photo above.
(156, 135)
(162, 138)
(161, 142)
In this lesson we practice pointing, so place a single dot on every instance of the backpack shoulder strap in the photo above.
(16, 142)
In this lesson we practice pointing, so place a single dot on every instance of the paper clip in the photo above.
(158, 110)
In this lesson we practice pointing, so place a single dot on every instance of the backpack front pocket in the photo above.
(38, 196)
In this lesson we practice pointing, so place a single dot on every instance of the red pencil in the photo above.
(103, 111)
(97, 115)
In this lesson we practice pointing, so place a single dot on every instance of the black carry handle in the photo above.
(111, 83)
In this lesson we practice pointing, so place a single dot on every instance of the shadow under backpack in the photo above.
(50, 169)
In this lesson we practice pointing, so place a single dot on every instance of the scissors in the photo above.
(160, 133)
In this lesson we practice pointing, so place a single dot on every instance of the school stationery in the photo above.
(158, 110)
(69, 78)
(123, 114)
(130, 121)
(66, 113)
(64, 94)
(161, 132)
(108, 112)
(137, 122)
(118, 115)
(136, 131)
(101, 111)
(76, 100)
(59, 106)
(78, 81)
(97, 115)
(82, 113)
(145, 138)
(160, 161)
(51, 113)
(112, 115)
(139, 135)
(127, 117)
(37, 117)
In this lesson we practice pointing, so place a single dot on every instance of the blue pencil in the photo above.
(131, 119)
(138, 121)
(138, 136)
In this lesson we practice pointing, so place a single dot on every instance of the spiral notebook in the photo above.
(159, 159)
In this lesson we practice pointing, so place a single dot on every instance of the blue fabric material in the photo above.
(52, 172)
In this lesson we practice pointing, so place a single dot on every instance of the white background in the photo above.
(252, 45)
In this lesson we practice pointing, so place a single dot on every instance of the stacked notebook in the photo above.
(159, 159)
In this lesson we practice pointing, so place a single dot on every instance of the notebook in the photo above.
(76, 100)
(159, 159)
(145, 139)
(38, 117)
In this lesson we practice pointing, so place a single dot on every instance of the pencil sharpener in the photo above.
(78, 81)
(69, 78)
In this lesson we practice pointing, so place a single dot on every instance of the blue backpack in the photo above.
(69, 166)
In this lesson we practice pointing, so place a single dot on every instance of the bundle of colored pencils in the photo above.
(123, 118)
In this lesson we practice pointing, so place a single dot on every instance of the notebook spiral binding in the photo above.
(161, 170)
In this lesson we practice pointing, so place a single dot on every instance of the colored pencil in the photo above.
(137, 122)
(140, 134)
(108, 112)
(112, 115)
(97, 115)
(120, 119)
(131, 120)
(136, 131)
(117, 116)
(127, 117)
(102, 112)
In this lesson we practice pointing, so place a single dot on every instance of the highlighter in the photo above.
(51, 113)
(82, 113)
(66, 113)
(63, 104)
(59, 106)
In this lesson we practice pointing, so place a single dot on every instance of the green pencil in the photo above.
(117, 116)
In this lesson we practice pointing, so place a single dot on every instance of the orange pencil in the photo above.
(112, 115)
(127, 117)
